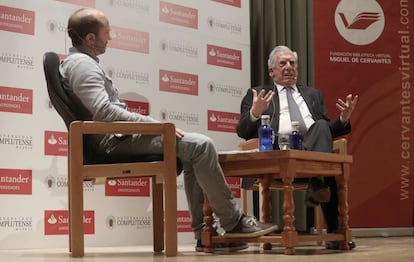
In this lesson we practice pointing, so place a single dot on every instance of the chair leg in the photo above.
(243, 200)
(170, 215)
(76, 233)
(319, 222)
(69, 223)
(158, 215)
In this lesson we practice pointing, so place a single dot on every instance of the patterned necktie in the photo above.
(295, 114)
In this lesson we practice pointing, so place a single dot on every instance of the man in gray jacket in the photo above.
(93, 92)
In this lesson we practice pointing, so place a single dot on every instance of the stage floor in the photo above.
(394, 249)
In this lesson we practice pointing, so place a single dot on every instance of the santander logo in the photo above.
(138, 107)
(178, 82)
(236, 3)
(222, 121)
(16, 181)
(17, 20)
(234, 185)
(183, 221)
(129, 40)
(56, 143)
(128, 187)
(178, 15)
(16, 100)
(56, 222)
(89, 3)
(359, 22)
(225, 57)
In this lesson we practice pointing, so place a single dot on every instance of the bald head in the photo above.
(83, 22)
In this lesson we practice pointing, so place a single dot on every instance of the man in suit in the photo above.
(319, 130)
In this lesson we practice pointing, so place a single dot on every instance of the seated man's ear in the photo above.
(90, 37)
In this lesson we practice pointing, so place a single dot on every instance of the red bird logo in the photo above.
(361, 21)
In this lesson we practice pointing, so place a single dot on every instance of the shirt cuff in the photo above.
(344, 123)
(252, 117)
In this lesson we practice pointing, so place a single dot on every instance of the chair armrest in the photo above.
(79, 128)
(249, 144)
(121, 127)
(340, 146)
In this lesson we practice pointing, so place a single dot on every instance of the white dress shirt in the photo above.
(285, 126)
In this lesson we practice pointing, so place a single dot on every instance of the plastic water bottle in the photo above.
(295, 138)
(265, 134)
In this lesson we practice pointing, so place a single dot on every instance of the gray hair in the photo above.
(279, 48)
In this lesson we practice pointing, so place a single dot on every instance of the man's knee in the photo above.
(321, 123)
(319, 137)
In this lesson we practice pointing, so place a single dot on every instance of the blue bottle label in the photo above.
(295, 140)
(265, 138)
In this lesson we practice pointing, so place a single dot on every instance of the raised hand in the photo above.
(261, 102)
(347, 107)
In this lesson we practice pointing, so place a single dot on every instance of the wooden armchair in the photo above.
(84, 166)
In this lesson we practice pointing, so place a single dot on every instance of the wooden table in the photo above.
(285, 165)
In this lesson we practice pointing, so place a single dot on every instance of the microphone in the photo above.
(99, 47)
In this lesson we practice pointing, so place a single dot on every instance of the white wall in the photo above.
(33, 171)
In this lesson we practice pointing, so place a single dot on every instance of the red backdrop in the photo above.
(366, 48)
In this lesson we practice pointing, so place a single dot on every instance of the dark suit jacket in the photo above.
(247, 129)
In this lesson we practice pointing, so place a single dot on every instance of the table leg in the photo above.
(265, 205)
(289, 234)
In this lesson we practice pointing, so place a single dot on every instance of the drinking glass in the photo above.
(283, 141)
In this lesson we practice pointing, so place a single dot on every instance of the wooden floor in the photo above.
(394, 249)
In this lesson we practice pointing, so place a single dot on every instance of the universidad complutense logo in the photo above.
(359, 22)
(16, 223)
(129, 74)
(57, 222)
(138, 6)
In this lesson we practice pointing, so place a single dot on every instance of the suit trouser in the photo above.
(319, 138)
(202, 173)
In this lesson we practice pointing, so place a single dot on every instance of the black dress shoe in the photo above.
(334, 245)
(317, 192)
